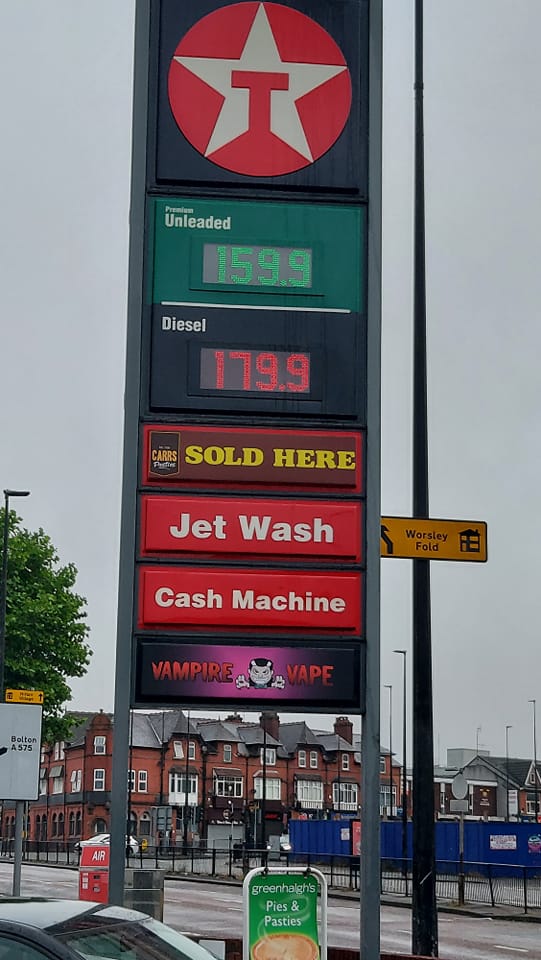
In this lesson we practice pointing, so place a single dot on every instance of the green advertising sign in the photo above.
(282, 917)
(279, 254)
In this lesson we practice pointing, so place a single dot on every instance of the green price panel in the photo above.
(250, 253)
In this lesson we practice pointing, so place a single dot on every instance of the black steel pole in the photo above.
(424, 912)
(404, 767)
(3, 600)
(264, 791)
(186, 775)
(4, 583)
(389, 687)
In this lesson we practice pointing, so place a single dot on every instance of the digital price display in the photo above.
(257, 266)
(241, 358)
(255, 371)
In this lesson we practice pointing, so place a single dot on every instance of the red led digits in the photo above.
(255, 371)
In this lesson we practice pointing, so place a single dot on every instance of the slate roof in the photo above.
(214, 731)
(331, 742)
(518, 768)
(299, 734)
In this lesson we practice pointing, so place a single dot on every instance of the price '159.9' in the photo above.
(255, 371)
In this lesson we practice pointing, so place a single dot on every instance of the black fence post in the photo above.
(490, 884)
(525, 883)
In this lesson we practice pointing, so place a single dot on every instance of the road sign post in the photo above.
(20, 748)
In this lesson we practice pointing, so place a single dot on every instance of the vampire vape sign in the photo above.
(250, 677)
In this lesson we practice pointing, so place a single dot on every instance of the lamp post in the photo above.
(536, 792)
(508, 727)
(186, 777)
(264, 796)
(204, 752)
(403, 653)
(389, 687)
(4, 580)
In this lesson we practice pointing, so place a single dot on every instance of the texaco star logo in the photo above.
(259, 89)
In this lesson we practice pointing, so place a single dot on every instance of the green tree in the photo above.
(45, 625)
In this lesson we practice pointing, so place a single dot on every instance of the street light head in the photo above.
(400, 651)
(16, 493)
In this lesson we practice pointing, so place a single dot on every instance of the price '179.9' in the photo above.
(255, 371)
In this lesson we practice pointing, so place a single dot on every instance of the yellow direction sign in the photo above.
(434, 539)
(24, 696)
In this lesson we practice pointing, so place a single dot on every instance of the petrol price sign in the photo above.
(233, 357)
(257, 308)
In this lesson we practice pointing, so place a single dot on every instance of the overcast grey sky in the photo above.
(65, 108)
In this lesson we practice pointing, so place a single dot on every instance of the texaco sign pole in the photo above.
(250, 512)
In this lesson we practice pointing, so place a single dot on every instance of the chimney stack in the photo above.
(270, 722)
(344, 728)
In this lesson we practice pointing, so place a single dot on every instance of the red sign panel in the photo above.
(319, 601)
(284, 459)
(286, 528)
(95, 855)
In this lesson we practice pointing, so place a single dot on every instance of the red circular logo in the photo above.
(259, 89)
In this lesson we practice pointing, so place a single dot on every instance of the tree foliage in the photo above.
(45, 625)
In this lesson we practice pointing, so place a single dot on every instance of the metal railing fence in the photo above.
(495, 885)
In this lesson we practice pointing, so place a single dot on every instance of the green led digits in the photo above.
(257, 266)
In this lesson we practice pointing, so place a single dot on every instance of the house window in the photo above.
(270, 756)
(75, 780)
(313, 759)
(177, 783)
(178, 751)
(56, 774)
(42, 784)
(302, 758)
(228, 786)
(345, 761)
(387, 803)
(191, 750)
(71, 824)
(382, 764)
(99, 780)
(142, 781)
(227, 753)
(145, 824)
(131, 780)
(59, 750)
(99, 745)
(310, 792)
(344, 794)
(273, 788)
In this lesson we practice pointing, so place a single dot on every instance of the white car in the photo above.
(99, 838)
(71, 930)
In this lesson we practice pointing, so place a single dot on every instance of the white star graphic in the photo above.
(260, 56)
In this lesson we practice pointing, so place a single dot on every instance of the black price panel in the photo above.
(242, 358)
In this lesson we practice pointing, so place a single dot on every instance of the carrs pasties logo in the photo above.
(259, 89)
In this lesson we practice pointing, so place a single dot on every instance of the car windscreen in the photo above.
(96, 937)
